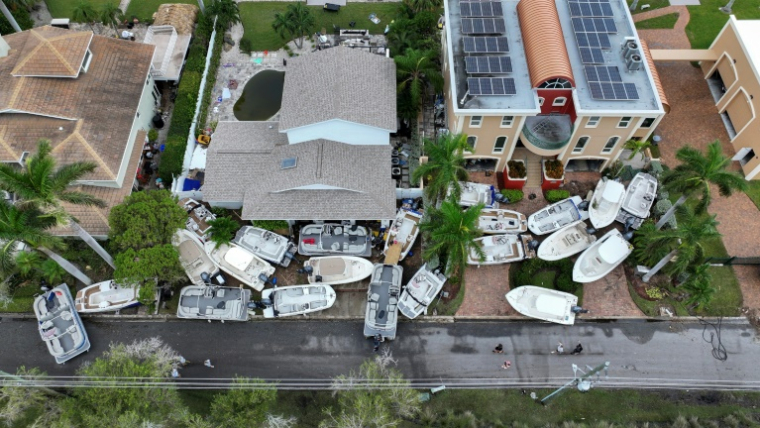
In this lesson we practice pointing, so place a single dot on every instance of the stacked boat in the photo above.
(337, 269)
(566, 242)
(606, 202)
(420, 292)
(241, 263)
(106, 296)
(497, 249)
(213, 303)
(638, 200)
(297, 300)
(265, 244)
(193, 257)
(334, 239)
(495, 221)
(557, 216)
(601, 257)
(59, 324)
(403, 231)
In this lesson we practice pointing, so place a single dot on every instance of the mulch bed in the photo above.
(579, 188)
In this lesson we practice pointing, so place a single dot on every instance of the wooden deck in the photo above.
(393, 254)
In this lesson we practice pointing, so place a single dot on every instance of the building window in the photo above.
(593, 121)
(501, 142)
(507, 121)
(610, 145)
(86, 61)
(580, 145)
(556, 84)
(288, 163)
(648, 122)
(624, 122)
(540, 101)
(476, 121)
(472, 141)
(559, 101)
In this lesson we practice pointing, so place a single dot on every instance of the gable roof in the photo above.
(339, 83)
(51, 52)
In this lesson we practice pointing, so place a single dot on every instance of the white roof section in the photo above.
(748, 33)
(170, 52)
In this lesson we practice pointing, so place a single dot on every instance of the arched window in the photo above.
(498, 147)
(556, 84)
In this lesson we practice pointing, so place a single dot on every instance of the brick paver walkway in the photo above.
(485, 288)
(609, 296)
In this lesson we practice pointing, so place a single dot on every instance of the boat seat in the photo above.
(54, 345)
(373, 305)
(489, 258)
(391, 317)
(392, 301)
(194, 310)
(373, 314)
(374, 297)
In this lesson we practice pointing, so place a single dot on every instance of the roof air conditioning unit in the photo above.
(630, 48)
(633, 63)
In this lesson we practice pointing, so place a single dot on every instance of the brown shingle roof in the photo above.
(655, 75)
(544, 44)
(52, 52)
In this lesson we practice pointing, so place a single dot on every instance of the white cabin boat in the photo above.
(494, 221)
(556, 216)
(382, 301)
(193, 257)
(106, 296)
(640, 195)
(601, 257)
(543, 303)
(337, 269)
(297, 300)
(265, 244)
(498, 249)
(404, 231)
(477, 193)
(334, 239)
(606, 202)
(566, 242)
(59, 324)
(203, 302)
(420, 292)
(240, 263)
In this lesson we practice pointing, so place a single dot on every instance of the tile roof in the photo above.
(655, 75)
(339, 83)
(244, 164)
(543, 41)
(51, 52)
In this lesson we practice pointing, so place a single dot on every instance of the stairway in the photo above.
(533, 166)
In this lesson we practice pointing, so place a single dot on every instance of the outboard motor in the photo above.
(498, 197)
(318, 278)
(583, 206)
(590, 230)
(205, 277)
(266, 280)
(628, 235)
(308, 270)
(533, 244)
(628, 223)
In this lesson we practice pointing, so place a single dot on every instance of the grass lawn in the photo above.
(144, 9)
(754, 192)
(661, 22)
(653, 4)
(544, 279)
(707, 21)
(64, 8)
(257, 20)
(23, 298)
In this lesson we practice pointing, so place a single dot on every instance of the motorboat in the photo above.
(601, 257)
(566, 242)
(498, 249)
(240, 263)
(193, 257)
(198, 216)
(211, 302)
(330, 239)
(266, 244)
(477, 193)
(640, 195)
(382, 301)
(420, 292)
(606, 202)
(297, 300)
(403, 231)
(494, 221)
(59, 324)
(106, 296)
(556, 216)
(337, 269)
(544, 304)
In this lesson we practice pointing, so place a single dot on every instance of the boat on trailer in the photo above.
(498, 249)
(556, 216)
(606, 202)
(266, 244)
(495, 221)
(477, 193)
(59, 324)
(212, 302)
(382, 301)
(543, 303)
(297, 300)
(420, 292)
(193, 257)
(403, 231)
(241, 263)
(601, 257)
(337, 269)
(106, 296)
(640, 195)
(334, 239)
(566, 242)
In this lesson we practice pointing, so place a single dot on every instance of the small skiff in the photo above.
(337, 269)
(601, 257)
(606, 202)
(566, 242)
(543, 303)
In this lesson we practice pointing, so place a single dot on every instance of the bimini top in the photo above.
(543, 42)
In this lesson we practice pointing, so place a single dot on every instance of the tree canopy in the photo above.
(140, 266)
(242, 406)
(296, 22)
(451, 234)
(145, 219)
(445, 167)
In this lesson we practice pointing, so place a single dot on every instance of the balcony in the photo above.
(547, 135)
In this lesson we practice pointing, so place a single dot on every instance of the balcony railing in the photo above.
(548, 132)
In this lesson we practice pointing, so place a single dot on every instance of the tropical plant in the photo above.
(556, 195)
(222, 230)
(614, 170)
(110, 15)
(145, 219)
(19, 4)
(424, 5)
(661, 246)
(28, 262)
(513, 195)
(699, 286)
(52, 272)
(696, 173)
(445, 167)
(416, 71)
(296, 22)
(517, 169)
(242, 405)
(451, 234)
(637, 147)
(84, 12)
(554, 169)
(148, 265)
(402, 35)
(226, 12)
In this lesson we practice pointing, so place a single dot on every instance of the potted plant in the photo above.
(515, 174)
(553, 174)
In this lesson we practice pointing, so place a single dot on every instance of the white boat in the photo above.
(476, 193)
(197, 217)
(297, 300)
(601, 257)
(420, 292)
(265, 244)
(543, 303)
(606, 202)
(106, 296)
(337, 239)
(240, 263)
(403, 231)
(640, 195)
(566, 242)
(556, 216)
(337, 269)
(498, 249)
(193, 257)
(203, 302)
(382, 301)
(59, 324)
(494, 221)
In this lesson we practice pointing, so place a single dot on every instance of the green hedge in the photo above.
(553, 196)
(513, 195)
(22, 17)
(270, 224)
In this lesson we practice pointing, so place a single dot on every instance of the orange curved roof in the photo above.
(655, 76)
(543, 41)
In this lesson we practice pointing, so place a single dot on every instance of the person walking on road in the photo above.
(578, 349)
(182, 361)
(376, 341)
(175, 373)
(208, 364)
(507, 364)
(560, 349)
(498, 349)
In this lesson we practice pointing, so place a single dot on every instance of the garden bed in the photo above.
(554, 275)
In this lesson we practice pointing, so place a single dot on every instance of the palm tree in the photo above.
(297, 22)
(451, 234)
(110, 15)
(421, 5)
(415, 72)
(696, 172)
(281, 25)
(637, 147)
(400, 39)
(444, 168)
(84, 12)
(699, 286)
(43, 186)
(686, 242)
(227, 13)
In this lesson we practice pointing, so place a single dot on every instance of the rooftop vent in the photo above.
(288, 163)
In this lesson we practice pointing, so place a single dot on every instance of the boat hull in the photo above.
(498, 222)
(556, 216)
(566, 242)
(420, 292)
(243, 265)
(202, 302)
(404, 230)
(59, 325)
(267, 245)
(336, 270)
(543, 303)
(606, 202)
(334, 239)
(498, 249)
(106, 296)
(298, 300)
(640, 195)
(597, 261)
(193, 256)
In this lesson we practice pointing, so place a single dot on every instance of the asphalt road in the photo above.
(645, 354)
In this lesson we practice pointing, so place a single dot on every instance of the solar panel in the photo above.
(483, 26)
(491, 86)
(591, 56)
(590, 9)
(485, 45)
(594, 25)
(592, 40)
(485, 9)
(488, 64)
(613, 91)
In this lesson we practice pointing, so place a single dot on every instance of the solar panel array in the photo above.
(613, 91)
(584, 8)
(594, 25)
(485, 45)
(484, 9)
(491, 86)
(483, 57)
(488, 64)
(483, 26)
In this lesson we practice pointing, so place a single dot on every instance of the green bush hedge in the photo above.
(270, 224)
(513, 195)
(526, 271)
(557, 195)
(23, 19)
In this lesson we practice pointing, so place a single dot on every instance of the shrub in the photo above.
(245, 46)
(663, 194)
(662, 206)
(614, 170)
(152, 135)
(23, 19)
(564, 282)
(172, 157)
(553, 196)
(270, 224)
(654, 293)
(517, 169)
(554, 169)
(513, 195)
